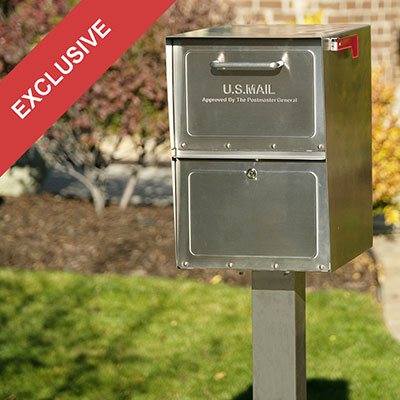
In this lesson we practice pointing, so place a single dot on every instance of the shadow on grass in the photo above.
(72, 342)
(317, 389)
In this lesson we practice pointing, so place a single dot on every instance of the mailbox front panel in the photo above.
(248, 98)
(251, 215)
(250, 102)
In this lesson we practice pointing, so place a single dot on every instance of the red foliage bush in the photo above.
(131, 96)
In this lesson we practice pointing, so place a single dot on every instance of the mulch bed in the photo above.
(46, 231)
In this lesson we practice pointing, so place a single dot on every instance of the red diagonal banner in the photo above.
(64, 65)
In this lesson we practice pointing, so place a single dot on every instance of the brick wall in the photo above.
(383, 15)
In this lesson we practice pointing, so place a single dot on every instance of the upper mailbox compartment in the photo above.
(249, 89)
(249, 93)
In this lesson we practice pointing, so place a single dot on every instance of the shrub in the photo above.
(130, 99)
(386, 150)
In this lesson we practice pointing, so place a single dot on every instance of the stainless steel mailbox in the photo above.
(271, 141)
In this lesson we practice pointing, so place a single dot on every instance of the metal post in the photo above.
(279, 333)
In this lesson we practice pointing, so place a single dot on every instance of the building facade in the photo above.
(382, 15)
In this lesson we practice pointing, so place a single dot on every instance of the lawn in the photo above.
(69, 336)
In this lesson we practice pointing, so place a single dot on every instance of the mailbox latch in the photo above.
(251, 173)
(344, 43)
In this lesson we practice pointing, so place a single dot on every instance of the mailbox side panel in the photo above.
(347, 83)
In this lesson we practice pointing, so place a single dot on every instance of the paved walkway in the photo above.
(387, 251)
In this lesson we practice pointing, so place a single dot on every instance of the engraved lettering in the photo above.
(238, 89)
(227, 88)
(248, 89)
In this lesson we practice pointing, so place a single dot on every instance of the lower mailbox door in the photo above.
(251, 215)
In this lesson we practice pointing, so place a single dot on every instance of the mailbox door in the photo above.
(248, 98)
(251, 215)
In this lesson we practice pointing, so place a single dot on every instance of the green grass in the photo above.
(68, 336)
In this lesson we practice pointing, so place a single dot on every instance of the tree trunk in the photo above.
(129, 189)
(97, 194)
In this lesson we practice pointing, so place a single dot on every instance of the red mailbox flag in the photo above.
(64, 65)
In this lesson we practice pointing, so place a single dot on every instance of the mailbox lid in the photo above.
(229, 218)
(248, 95)
(271, 31)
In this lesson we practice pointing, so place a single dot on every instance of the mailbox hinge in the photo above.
(344, 43)
(330, 44)
(243, 155)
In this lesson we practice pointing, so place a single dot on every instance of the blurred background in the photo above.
(86, 228)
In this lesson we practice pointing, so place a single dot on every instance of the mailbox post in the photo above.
(271, 147)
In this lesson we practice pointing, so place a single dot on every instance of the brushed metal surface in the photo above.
(250, 110)
(278, 218)
(279, 336)
(272, 31)
(170, 89)
(235, 104)
(342, 142)
(252, 155)
(234, 214)
(348, 126)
